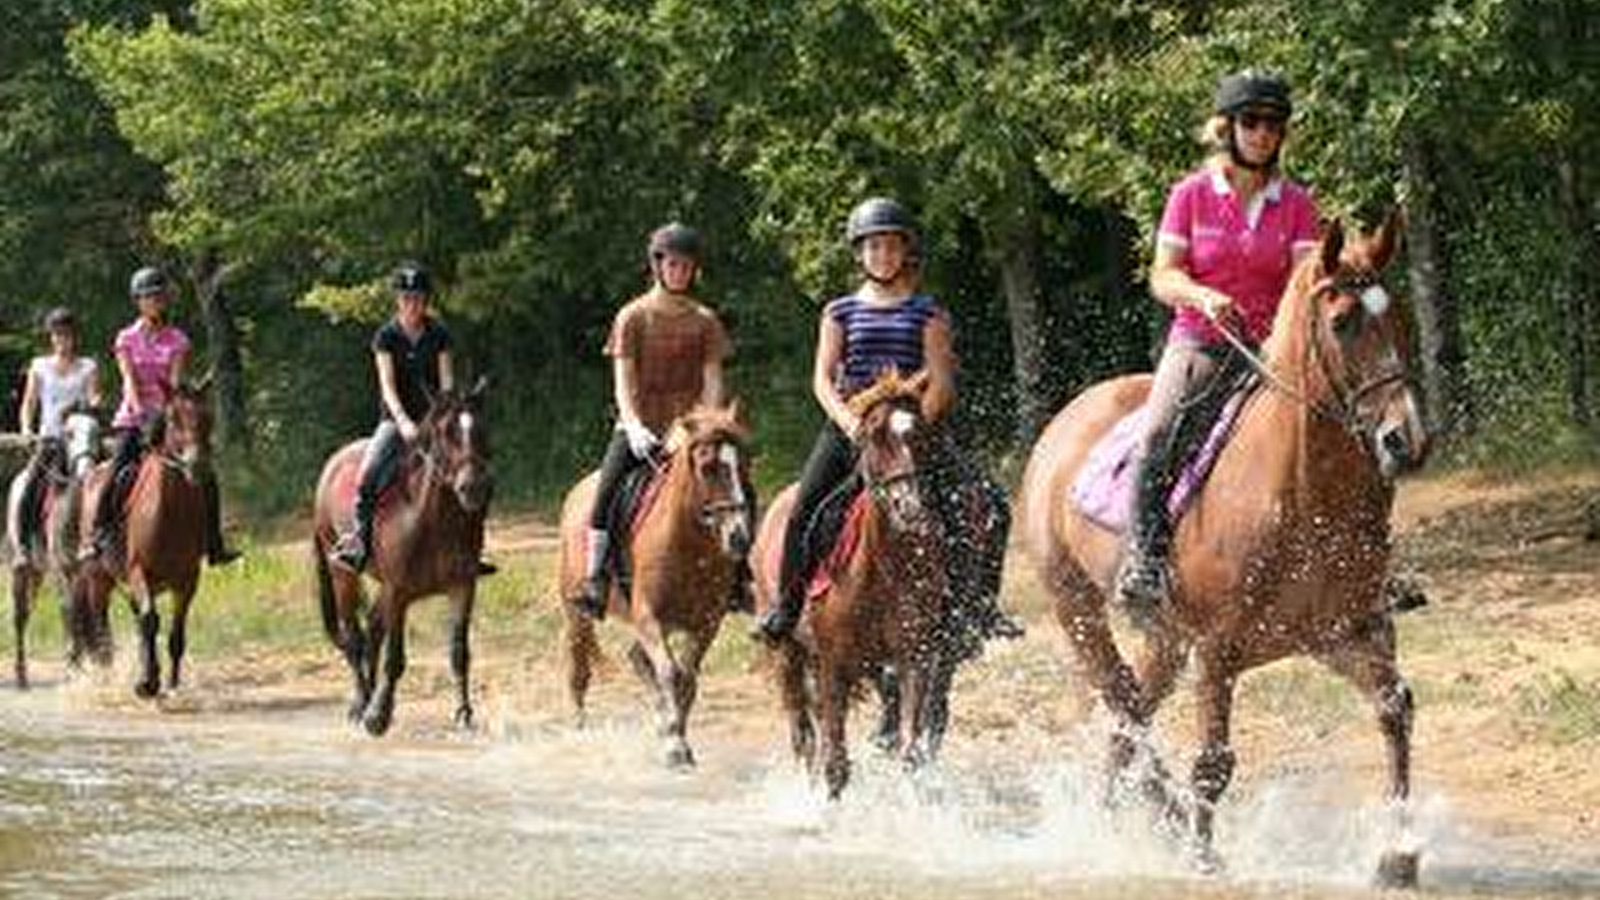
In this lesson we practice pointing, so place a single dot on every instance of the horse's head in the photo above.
(710, 442)
(186, 424)
(891, 427)
(454, 439)
(1358, 352)
(80, 437)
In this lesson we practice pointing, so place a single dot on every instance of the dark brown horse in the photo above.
(427, 539)
(1285, 551)
(884, 604)
(163, 539)
(54, 549)
(681, 553)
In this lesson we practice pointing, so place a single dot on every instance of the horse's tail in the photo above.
(325, 597)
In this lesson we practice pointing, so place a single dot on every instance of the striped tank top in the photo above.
(878, 337)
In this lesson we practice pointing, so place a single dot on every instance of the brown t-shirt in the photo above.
(669, 341)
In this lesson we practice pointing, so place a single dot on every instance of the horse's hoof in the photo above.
(1207, 861)
(1397, 869)
(146, 690)
(680, 757)
(464, 720)
(376, 723)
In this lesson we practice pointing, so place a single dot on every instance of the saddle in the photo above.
(1105, 486)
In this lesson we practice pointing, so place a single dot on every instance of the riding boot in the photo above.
(591, 599)
(1144, 582)
(355, 545)
(107, 511)
(740, 597)
(218, 553)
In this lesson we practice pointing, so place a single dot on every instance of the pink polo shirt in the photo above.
(1246, 253)
(149, 352)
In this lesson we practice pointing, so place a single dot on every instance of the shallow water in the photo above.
(106, 798)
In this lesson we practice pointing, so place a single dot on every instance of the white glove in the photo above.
(641, 440)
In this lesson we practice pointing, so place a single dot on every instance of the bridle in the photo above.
(1345, 409)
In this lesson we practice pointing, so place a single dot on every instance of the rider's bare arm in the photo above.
(711, 383)
(939, 361)
(391, 394)
(830, 350)
(130, 388)
(1171, 283)
(30, 406)
(624, 375)
(447, 371)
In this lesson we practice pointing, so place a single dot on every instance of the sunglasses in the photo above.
(158, 295)
(1251, 121)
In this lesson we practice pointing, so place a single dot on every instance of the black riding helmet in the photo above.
(675, 238)
(1252, 88)
(60, 319)
(879, 215)
(146, 281)
(412, 278)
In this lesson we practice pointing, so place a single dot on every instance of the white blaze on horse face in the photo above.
(729, 456)
(901, 422)
(1376, 300)
(466, 423)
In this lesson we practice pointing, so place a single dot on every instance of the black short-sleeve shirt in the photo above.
(416, 363)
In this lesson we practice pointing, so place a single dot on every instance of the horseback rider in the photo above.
(667, 350)
(1230, 237)
(885, 324)
(56, 385)
(411, 354)
(151, 356)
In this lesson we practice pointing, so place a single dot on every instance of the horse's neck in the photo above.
(674, 516)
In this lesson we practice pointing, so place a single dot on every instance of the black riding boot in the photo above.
(355, 545)
(106, 511)
(218, 553)
(779, 622)
(591, 599)
(1144, 582)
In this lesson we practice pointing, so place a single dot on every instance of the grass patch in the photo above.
(1559, 707)
(1300, 693)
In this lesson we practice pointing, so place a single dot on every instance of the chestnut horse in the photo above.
(163, 540)
(427, 539)
(53, 550)
(1286, 549)
(682, 551)
(884, 605)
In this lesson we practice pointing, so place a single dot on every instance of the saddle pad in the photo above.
(1104, 488)
(844, 546)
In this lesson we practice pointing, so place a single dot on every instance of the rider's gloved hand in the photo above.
(1215, 304)
(641, 440)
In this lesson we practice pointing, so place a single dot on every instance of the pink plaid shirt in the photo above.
(149, 352)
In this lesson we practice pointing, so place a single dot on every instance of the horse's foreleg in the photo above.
(834, 686)
(144, 608)
(24, 581)
(887, 736)
(1213, 765)
(796, 702)
(461, 603)
(1371, 668)
(380, 709)
(665, 672)
(913, 714)
(178, 636)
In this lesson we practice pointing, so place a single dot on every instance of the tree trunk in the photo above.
(1013, 239)
(1580, 300)
(1449, 409)
(226, 361)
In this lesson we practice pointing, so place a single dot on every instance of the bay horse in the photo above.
(682, 549)
(53, 550)
(1284, 552)
(427, 539)
(163, 538)
(885, 602)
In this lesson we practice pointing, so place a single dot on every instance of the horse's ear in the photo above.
(1388, 238)
(1332, 246)
(917, 383)
(200, 386)
(733, 410)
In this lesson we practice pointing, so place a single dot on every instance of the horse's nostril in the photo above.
(1393, 441)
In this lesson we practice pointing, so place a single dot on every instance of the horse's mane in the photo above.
(891, 385)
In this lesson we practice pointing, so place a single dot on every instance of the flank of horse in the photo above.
(54, 552)
(682, 552)
(1286, 550)
(427, 539)
(163, 541)
(884, 605)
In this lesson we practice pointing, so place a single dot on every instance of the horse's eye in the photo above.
(1348, 323)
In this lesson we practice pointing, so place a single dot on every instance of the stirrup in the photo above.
(774, 627)
(592, 600)
(349, 555)
(1143, 587)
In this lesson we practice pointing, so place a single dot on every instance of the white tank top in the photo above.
(58, 391)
